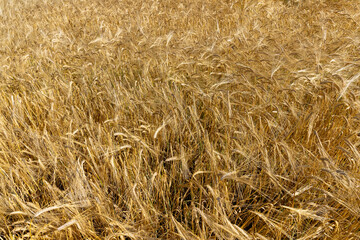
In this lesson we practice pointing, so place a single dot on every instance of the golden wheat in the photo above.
(179, 119)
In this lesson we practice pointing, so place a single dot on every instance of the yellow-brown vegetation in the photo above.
(179, 119)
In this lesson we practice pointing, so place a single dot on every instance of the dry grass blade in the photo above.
(306, 213)
(273, 224)
(349, 82)
(182, 231)
(68, 224)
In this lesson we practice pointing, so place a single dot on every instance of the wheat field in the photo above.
(179, 119)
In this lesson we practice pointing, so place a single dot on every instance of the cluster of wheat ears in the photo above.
(179, 119)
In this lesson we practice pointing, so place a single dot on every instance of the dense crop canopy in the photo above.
(179, 119)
